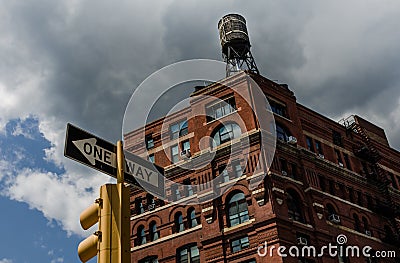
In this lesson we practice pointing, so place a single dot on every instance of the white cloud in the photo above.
(59, 199)
(5, 260)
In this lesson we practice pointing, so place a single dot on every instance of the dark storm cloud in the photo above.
(90, 56)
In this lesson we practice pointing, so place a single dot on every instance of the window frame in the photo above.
(178, 221)
(178, 129)
(149, 140)
(225, 105)
(154, 233)
(295, 209)
(141, 235)
(242, 243)
(310, 144)
(236, 214)
(189, 257)
(175, 156)
(224, 133)
(192, 219)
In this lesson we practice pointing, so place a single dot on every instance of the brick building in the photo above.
(326, 179)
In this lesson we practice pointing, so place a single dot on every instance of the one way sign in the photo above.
(99, 154)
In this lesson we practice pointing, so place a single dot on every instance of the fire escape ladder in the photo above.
(368, 151)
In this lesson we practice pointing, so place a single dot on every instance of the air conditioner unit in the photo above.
(334, 218)
(302, 241)
(321, 156)
(368, 233)
(341, 165)
(292, 140)
(151, 207)
(284, 173)
(186, 153)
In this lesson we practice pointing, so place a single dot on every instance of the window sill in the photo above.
(232, 228)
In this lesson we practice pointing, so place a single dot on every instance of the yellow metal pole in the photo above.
(123, 214)
(120, 163)
(105, 224)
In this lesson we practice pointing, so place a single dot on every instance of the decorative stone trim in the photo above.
(276, 189)
(208, 211)
(259, 196)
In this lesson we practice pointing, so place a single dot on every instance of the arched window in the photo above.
(141, 236)
(188, 254)
(356, 223)
(179, 227)
(331, 209)
(237, 209)
(332, 215)
(294, 206)
(192, 220)
(281, 133)
(366, 226)
(225, 133)
(153, 231)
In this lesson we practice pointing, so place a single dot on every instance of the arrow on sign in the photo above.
(99, 154)
(93, 152)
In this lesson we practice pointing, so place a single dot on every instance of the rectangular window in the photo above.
(309, 143)
(318, 146)
(151, 158)
(337, 138)
(151, 259)
(237, 168)
(151, 202)
(341, 191)
(322, 183)
(284, 167)
(174, 153)
(239, 244)
(359, 198)
(178, 129)
(351, 195)
(139, 205)
(339, 158)
(189, 188)
(293, 171)
(149, 141)
(278, 108)
(331, 187)
(176, 195)
(185, 146)
(223, 173)
(220, 109)
(188, 255)
(347, 161)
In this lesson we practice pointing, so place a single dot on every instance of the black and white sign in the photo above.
(99, 154)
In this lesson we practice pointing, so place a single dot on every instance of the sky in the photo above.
(79, 61)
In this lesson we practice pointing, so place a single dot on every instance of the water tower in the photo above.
(236, 44)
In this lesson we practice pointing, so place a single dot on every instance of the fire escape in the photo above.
(367, 151)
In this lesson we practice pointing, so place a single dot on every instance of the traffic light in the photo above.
(111, 242)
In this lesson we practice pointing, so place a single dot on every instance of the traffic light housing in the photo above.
(111, 242)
